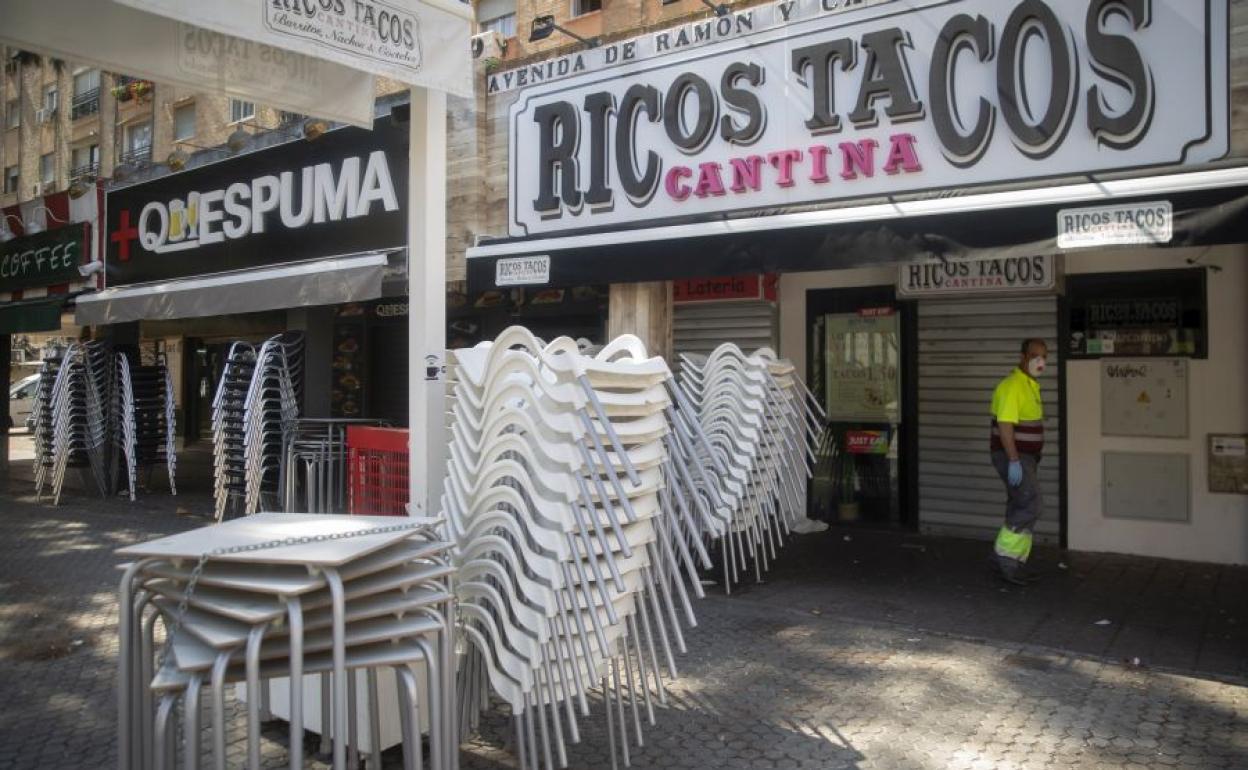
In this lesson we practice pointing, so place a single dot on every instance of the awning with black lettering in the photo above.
(1209, 207)
(302, 284)
(32, 315)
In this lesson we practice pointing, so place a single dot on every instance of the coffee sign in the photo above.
(43, 259)
(793, 106)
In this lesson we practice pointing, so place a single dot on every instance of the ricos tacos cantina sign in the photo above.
(794, 104)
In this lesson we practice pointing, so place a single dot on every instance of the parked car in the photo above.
(22, 400)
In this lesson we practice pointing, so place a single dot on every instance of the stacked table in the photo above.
(280, 596)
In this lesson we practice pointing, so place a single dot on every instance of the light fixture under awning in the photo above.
(320, 282)
(1210, 207)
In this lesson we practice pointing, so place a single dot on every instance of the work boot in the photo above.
(1013, 577)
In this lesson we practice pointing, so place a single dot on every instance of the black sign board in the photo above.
(43, 259)
(342, 193)
(1153, 313)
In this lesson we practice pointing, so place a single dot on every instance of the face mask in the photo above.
(1035, 367)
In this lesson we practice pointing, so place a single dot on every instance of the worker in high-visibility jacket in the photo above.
(1017, 444)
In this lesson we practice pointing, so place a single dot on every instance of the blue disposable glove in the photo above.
(1015, 475)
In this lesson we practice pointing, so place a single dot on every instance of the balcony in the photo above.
(91, 169)
(132, 89)
(84, 104)
(140, 154)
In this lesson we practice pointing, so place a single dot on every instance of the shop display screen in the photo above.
(1157, 313)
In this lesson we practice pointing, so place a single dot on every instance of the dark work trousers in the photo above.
(1022, 509)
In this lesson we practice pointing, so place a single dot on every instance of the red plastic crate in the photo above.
(377, 471)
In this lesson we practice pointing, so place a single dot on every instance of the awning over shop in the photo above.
(320, 282)
(1210, 207)
(32, 315)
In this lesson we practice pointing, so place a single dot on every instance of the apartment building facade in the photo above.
(65, 122)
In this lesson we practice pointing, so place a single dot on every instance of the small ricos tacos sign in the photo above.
(991, 275)
(810, 101)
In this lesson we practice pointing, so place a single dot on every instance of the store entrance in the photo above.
(859, 360)
(204, 363)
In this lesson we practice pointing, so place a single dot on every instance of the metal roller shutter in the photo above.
(965, 348)
(698, 327)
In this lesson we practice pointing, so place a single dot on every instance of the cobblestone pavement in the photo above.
(764, 684)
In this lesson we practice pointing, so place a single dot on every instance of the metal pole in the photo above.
(426, 260)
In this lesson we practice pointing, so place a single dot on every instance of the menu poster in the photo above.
(862, 365)
(347, 382)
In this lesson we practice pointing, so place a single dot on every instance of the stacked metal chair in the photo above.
(763, 434)
(567, 544)
(270, 409)
(41, 416)
(255, 405)
(144, 420)
(78, 424)
(228, 408)
(284, 596)
(314, 464)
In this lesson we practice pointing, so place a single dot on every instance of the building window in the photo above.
(184, 122)
(504, 25)
(581, 7)
(86, 81)
(240, 110)
(47, 168)
(86, 94)
(51, 99)
(10, 179)
(138, 145)
(86, 161)
(13, 113)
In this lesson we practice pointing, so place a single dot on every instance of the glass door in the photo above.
(856, 361)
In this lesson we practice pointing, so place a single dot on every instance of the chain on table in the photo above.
(193, 582)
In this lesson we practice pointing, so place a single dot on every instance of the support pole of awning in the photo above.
(426, 271)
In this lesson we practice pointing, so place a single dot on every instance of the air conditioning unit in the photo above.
(37, 188)
(42, 115)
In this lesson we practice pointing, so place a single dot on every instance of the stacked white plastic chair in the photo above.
(78, 423)
(566, 547)
(144, 421)
(804, 412)
(758, 420)
(279, 597)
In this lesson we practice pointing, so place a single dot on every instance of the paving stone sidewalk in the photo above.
(766, 682)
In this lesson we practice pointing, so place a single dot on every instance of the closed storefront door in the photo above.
(700, 327)
(965, 348)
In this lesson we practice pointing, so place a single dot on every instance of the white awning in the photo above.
(957, 204)
(418, 42)
(320, 282)
(132, 42)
